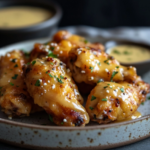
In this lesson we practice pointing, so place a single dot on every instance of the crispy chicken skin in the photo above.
(90, 66)
(61, 44)
(14, 98)
(52, 88)
(110, 101)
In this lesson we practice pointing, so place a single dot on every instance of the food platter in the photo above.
(37, 132)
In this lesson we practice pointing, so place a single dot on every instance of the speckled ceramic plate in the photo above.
(37, 132)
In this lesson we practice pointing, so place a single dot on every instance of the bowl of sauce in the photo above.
(130, 54)
(27, 19)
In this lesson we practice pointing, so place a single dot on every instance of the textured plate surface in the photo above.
(36, 131)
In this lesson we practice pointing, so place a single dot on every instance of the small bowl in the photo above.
(143, 66)
(43, 29)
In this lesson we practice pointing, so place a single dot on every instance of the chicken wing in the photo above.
(60, 46)
(53, 89)
(110, 101)
(91, 66)
(14, 98)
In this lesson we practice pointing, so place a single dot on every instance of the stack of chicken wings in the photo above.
(52, 76)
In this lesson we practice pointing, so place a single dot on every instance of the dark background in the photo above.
(105, 13)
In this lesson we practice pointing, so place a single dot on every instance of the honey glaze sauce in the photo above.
(135, 115)
(21, 16)
(130, 53)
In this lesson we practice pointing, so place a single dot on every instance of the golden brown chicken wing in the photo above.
(110, 101)
(14, 98)
(91, 66)
(60, 46)
(53, 89)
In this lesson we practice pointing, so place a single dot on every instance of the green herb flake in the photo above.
(52, 48)
(99, 63)
(142, 103)
(105, 87)
(91, 108)
(122, 89)
(62, 123)
(11, 84)
(93, 98)
(15, 76)
(113, 74)
(106, 61)
(117, 67)
(37, 83)
(51, 63)
(59, 80)
(104, 99)
(148, 98)
(50, 54)
(61, 77)
(33, 62)
(91, 68)
(15, 66)
(50, 118)
(28, 63)
(50, 75)
(13, 60)
(27, 54)
(101, 80)
(116, 51)
(85, 41)
(126, 53)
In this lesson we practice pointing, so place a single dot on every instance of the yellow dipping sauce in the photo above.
(130, 53)
(21, 16)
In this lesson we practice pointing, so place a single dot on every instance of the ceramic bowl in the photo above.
(143, 66)
(42, 29)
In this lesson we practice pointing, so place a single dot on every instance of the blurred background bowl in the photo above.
(142, 66)
(43, 29)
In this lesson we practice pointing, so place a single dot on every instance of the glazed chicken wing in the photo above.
(60, 46)
(14, 98)
(110, 101)
(53, 89)
(91, 66)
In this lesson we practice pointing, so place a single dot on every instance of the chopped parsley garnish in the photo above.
(106, 61)
(52, 48)
(51, 63)
(11, 84)
(104, 99)
(27, 54)
(62, 123)
(142, 103)
(116, 51)
(85, 41)
(37, 83)
(15, 76)
(50, 54)
(93, 98)
(33, 62)
(61, 77)
(105, 87)
(91, 108)
(117, 66)
(122, 89)
(59, 80)
(99, 63)
(50, 118)
(15, 66)
(126, 53)
(113, 74)
(108, 84)
(13, 60)
(50, 75)
(28, 63)
(100, 80)
(91, 68)
(148, 98)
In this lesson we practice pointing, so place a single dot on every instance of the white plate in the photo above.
(29, 131)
